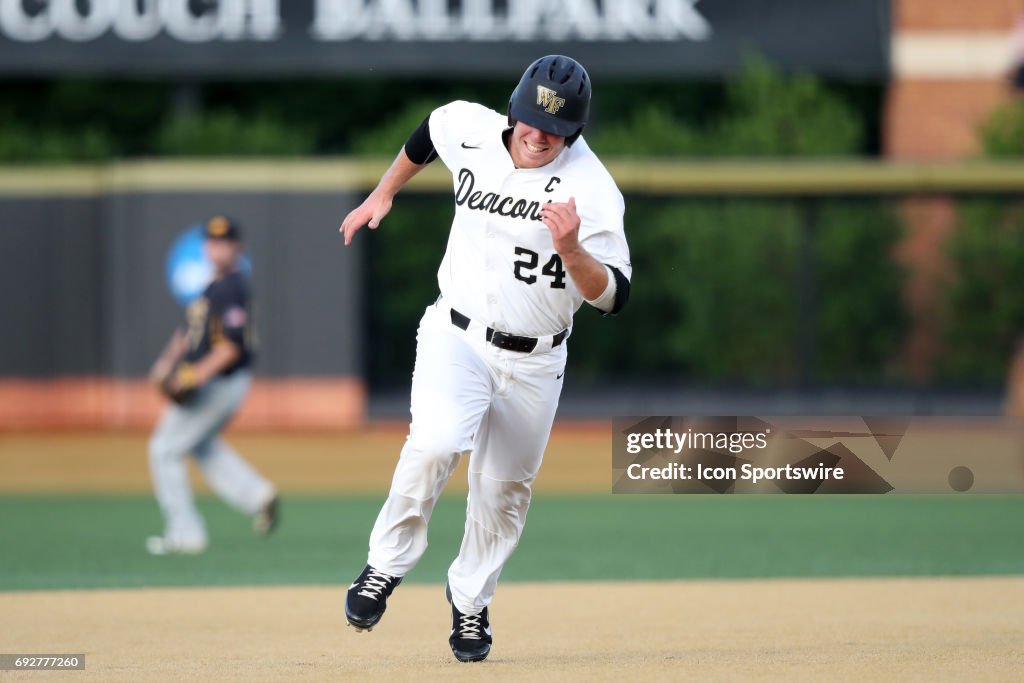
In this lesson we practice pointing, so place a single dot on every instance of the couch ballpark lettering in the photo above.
(734, 442)
(340, 20)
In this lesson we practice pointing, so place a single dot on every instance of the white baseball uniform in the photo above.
(501, 271)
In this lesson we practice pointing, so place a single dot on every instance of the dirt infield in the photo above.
(967, 629)
(578, 459)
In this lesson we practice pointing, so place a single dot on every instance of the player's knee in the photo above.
(157, 447)
(438, 443)
(161, 448)
(503, 495)
(425, 465)
(501, 506)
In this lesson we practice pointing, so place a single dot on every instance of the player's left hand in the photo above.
(564, 223)
(181, 384)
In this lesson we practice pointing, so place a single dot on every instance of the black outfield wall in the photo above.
(83, 289)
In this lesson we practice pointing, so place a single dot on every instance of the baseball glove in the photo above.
(180, 384)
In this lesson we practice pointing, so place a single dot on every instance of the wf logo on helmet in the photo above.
(549, 99)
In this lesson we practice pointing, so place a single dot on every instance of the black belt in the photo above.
(503, 340)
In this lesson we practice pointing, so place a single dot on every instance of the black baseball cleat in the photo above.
(471, 633)
(368, 597)
(267, 518)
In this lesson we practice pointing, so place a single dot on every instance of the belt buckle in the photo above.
(511, 342)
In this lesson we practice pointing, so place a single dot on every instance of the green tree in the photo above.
(1002, 134)
(387, 137)
(766, 113)
(27, 143)
(982, 316)
(225, 133)
(861, 319)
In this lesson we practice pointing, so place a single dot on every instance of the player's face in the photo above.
(532, 148)
(222, 254)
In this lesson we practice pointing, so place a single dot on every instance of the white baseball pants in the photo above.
(469, 396)
(195, 428)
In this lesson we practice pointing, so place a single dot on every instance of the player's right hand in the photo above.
(370, 213)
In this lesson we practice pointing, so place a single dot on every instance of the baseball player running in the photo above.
(204, 370)
(537, 231)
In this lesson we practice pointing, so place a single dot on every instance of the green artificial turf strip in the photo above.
(79, 542)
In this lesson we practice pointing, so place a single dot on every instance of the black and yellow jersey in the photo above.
(222, 312)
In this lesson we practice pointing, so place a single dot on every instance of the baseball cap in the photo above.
(222, 228)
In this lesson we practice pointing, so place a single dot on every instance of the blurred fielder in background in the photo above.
(205, 372)
(537, 231)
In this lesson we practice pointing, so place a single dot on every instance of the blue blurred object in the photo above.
(188, 270)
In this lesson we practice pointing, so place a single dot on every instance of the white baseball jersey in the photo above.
(500, 267)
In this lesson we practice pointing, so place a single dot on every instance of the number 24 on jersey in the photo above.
(527, 263)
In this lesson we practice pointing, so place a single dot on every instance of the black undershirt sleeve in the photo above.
(621, 291)
(419, 147)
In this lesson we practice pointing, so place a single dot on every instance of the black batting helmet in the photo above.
(554, 96)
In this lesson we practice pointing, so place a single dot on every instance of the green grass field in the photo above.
(49, 542)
